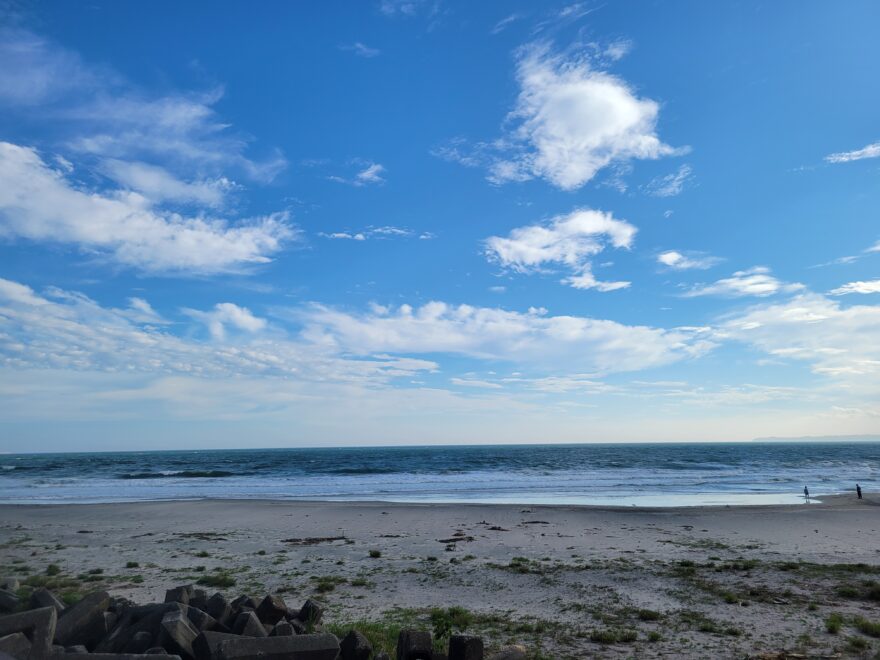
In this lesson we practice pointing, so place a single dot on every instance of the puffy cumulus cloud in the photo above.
(679, 261)
(572, 120)
(834, 340)
(755, 281)
(225, 315)
(870, 151)
(567, 240)
(42, 204)
(69, 331)
(529, 338)
(870, 286)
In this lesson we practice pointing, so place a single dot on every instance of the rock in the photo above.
(177, 634)
(81, 621)
(354, 646)
(205, 645)
(243, 602)
(219, 608)
(156, 650)
(77, 648)
(465, 647)
(40, 624)
(10, 584)
(179, 594)
(298, 626)
(298, 647)
(282, 628)
(200, 620)
(437, 655)
(16, 645)
(42, 597)
(515, 652)
(382, 656)
(414, 645)
(272, 609)
(249, 625)
(311, 612)
(146, 618)
(199, 599)
(8, 601)
(139, 642)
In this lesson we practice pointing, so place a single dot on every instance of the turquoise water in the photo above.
(648, 475)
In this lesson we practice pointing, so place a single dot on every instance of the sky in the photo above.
(427, 222)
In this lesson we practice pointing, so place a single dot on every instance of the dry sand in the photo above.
(711, 582)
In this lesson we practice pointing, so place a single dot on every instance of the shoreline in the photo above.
(817, 501)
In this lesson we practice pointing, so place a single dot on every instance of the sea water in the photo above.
(601, 474)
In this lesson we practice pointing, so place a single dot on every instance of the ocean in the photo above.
(601, 474)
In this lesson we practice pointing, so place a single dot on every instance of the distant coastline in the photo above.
(821, 438)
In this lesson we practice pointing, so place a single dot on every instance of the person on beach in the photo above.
(859, 491)
(806, 493)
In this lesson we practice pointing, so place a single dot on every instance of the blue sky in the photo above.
(405, 222)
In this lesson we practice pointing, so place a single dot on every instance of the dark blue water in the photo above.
(589, 474)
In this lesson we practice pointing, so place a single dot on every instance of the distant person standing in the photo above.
(859, 491)
(806, 493)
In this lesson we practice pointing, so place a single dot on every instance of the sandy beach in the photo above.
(732, 581)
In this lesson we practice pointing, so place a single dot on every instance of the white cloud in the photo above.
(530, 338)
(504, 23)
(371, 174)
(385, 231)
(670, 185)
(344, 235)
(225, 315)
(874, 248)
(755, 281)
(678, 261)
(870, 151)
(475, 382)
(100, 114)
(567, 240)
(836, 341)
(871, 286)
(159, 185)
(361, 49)
(42, 204)
(69, 331)
(35, 72)
(572, 120)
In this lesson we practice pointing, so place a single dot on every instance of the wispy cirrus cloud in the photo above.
(869, 151)
(385, 231)
(361, 49)
(670, 185)
(568, 241)
(368, 174)
(757, 281)
(39, 203)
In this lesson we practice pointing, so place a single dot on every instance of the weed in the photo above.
(834, 623)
